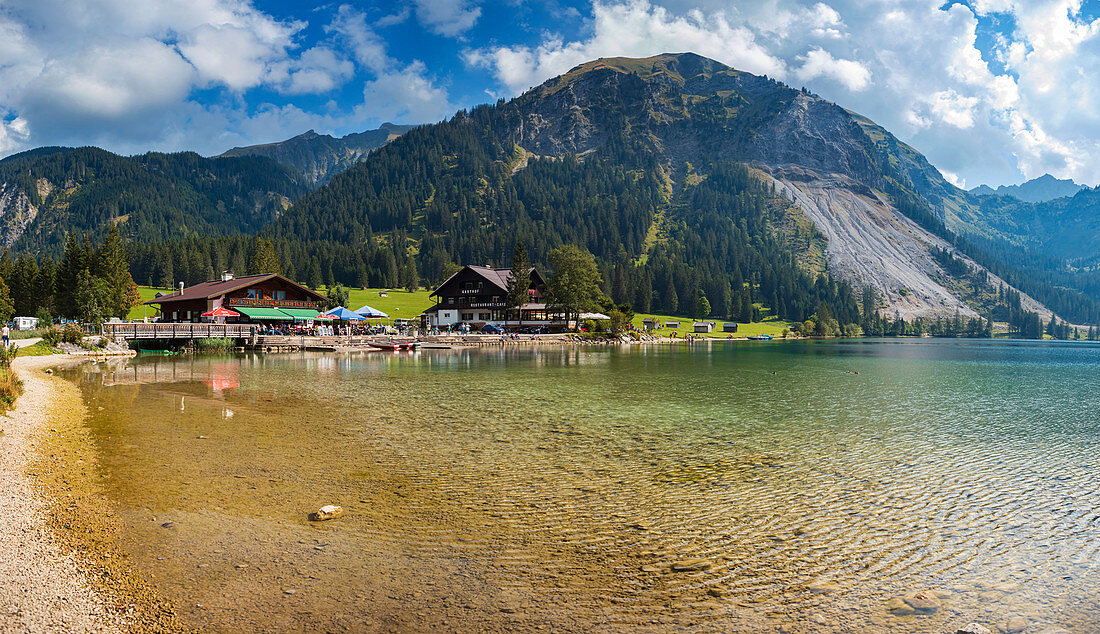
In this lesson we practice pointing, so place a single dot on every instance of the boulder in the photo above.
(327, 512)
(974, 628)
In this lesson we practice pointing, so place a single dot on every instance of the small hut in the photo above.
(649, 323)
(728, 327)
(703, 326)
(672, 324)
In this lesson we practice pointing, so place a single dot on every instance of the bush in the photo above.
(70, 333)
(10, 388)
(7, 355)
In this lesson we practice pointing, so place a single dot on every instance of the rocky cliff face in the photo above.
(318, 157)
(16, 214)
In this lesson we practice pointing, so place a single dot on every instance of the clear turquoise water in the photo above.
(811, 482)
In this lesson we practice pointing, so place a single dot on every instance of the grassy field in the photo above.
(140, 311)
(769, 326)
(398, 304)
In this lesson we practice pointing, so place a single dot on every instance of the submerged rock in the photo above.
(822, 587)
(974, 628)
(690, 565)
(898, 607)
(327, 512)
(1017, 624)
(924, 602)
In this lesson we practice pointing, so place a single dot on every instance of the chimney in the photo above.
(181, 288)
(227, 275)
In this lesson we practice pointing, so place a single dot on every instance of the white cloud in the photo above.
(317, 70)
(819, 63)
(634, 29)
(954, 179)
(954, 109)
(356, 34)
(406, 95)
(447, 17)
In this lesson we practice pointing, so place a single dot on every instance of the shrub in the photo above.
(10, 388)
(7, 355)
(70, 333)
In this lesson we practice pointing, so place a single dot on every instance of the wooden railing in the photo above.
(177, 331)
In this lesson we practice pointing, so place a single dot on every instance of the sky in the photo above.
(991, 91)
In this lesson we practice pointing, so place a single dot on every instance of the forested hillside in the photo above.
(49, 193)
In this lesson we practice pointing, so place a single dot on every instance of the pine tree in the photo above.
(519, 280)
(111, 267)
(263, 260)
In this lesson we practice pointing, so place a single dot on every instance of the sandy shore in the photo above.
(45, 589)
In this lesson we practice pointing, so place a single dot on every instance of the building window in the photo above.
(485, 316)
(278, 294)
(467, 317)
(450, 300)
(253, 293)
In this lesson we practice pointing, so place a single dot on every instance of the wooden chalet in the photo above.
(477, 295)
(258, 298)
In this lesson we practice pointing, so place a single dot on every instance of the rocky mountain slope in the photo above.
(318, 157)
(1036, 190)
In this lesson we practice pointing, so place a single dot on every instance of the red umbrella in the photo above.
(221, 312)
(325, 317)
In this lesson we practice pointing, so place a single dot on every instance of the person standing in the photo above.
(7, 334)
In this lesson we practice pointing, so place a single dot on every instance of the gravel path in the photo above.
(42, 588)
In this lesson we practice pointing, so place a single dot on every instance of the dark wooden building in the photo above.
(269, 297)
(477, 295)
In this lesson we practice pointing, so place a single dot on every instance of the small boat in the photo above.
(394, 345)
(761, 338)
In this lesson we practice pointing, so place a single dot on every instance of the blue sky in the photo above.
(992, 91)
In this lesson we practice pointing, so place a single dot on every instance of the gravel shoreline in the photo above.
(45, 589)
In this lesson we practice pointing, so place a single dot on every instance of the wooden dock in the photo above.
(130, 331)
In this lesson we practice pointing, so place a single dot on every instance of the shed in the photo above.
(672, 324)
(703, 326)
(728, 327)
(649, 323)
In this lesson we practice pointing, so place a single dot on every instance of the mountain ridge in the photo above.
(318, 157)
(1037, 190)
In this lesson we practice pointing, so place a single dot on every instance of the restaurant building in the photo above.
(268, 297)
(477, 295)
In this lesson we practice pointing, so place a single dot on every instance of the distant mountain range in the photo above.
(681, 175)
(1036, 190)
(317, 157)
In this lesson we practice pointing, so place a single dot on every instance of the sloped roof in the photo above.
(217, 288)
(496, 277)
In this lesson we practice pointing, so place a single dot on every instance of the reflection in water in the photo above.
(652, 486)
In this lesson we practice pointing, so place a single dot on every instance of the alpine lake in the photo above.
(807, 486)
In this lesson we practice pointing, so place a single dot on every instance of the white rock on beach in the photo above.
(327, 512)
(974, 628)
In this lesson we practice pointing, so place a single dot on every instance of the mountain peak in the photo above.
(1036, 190)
